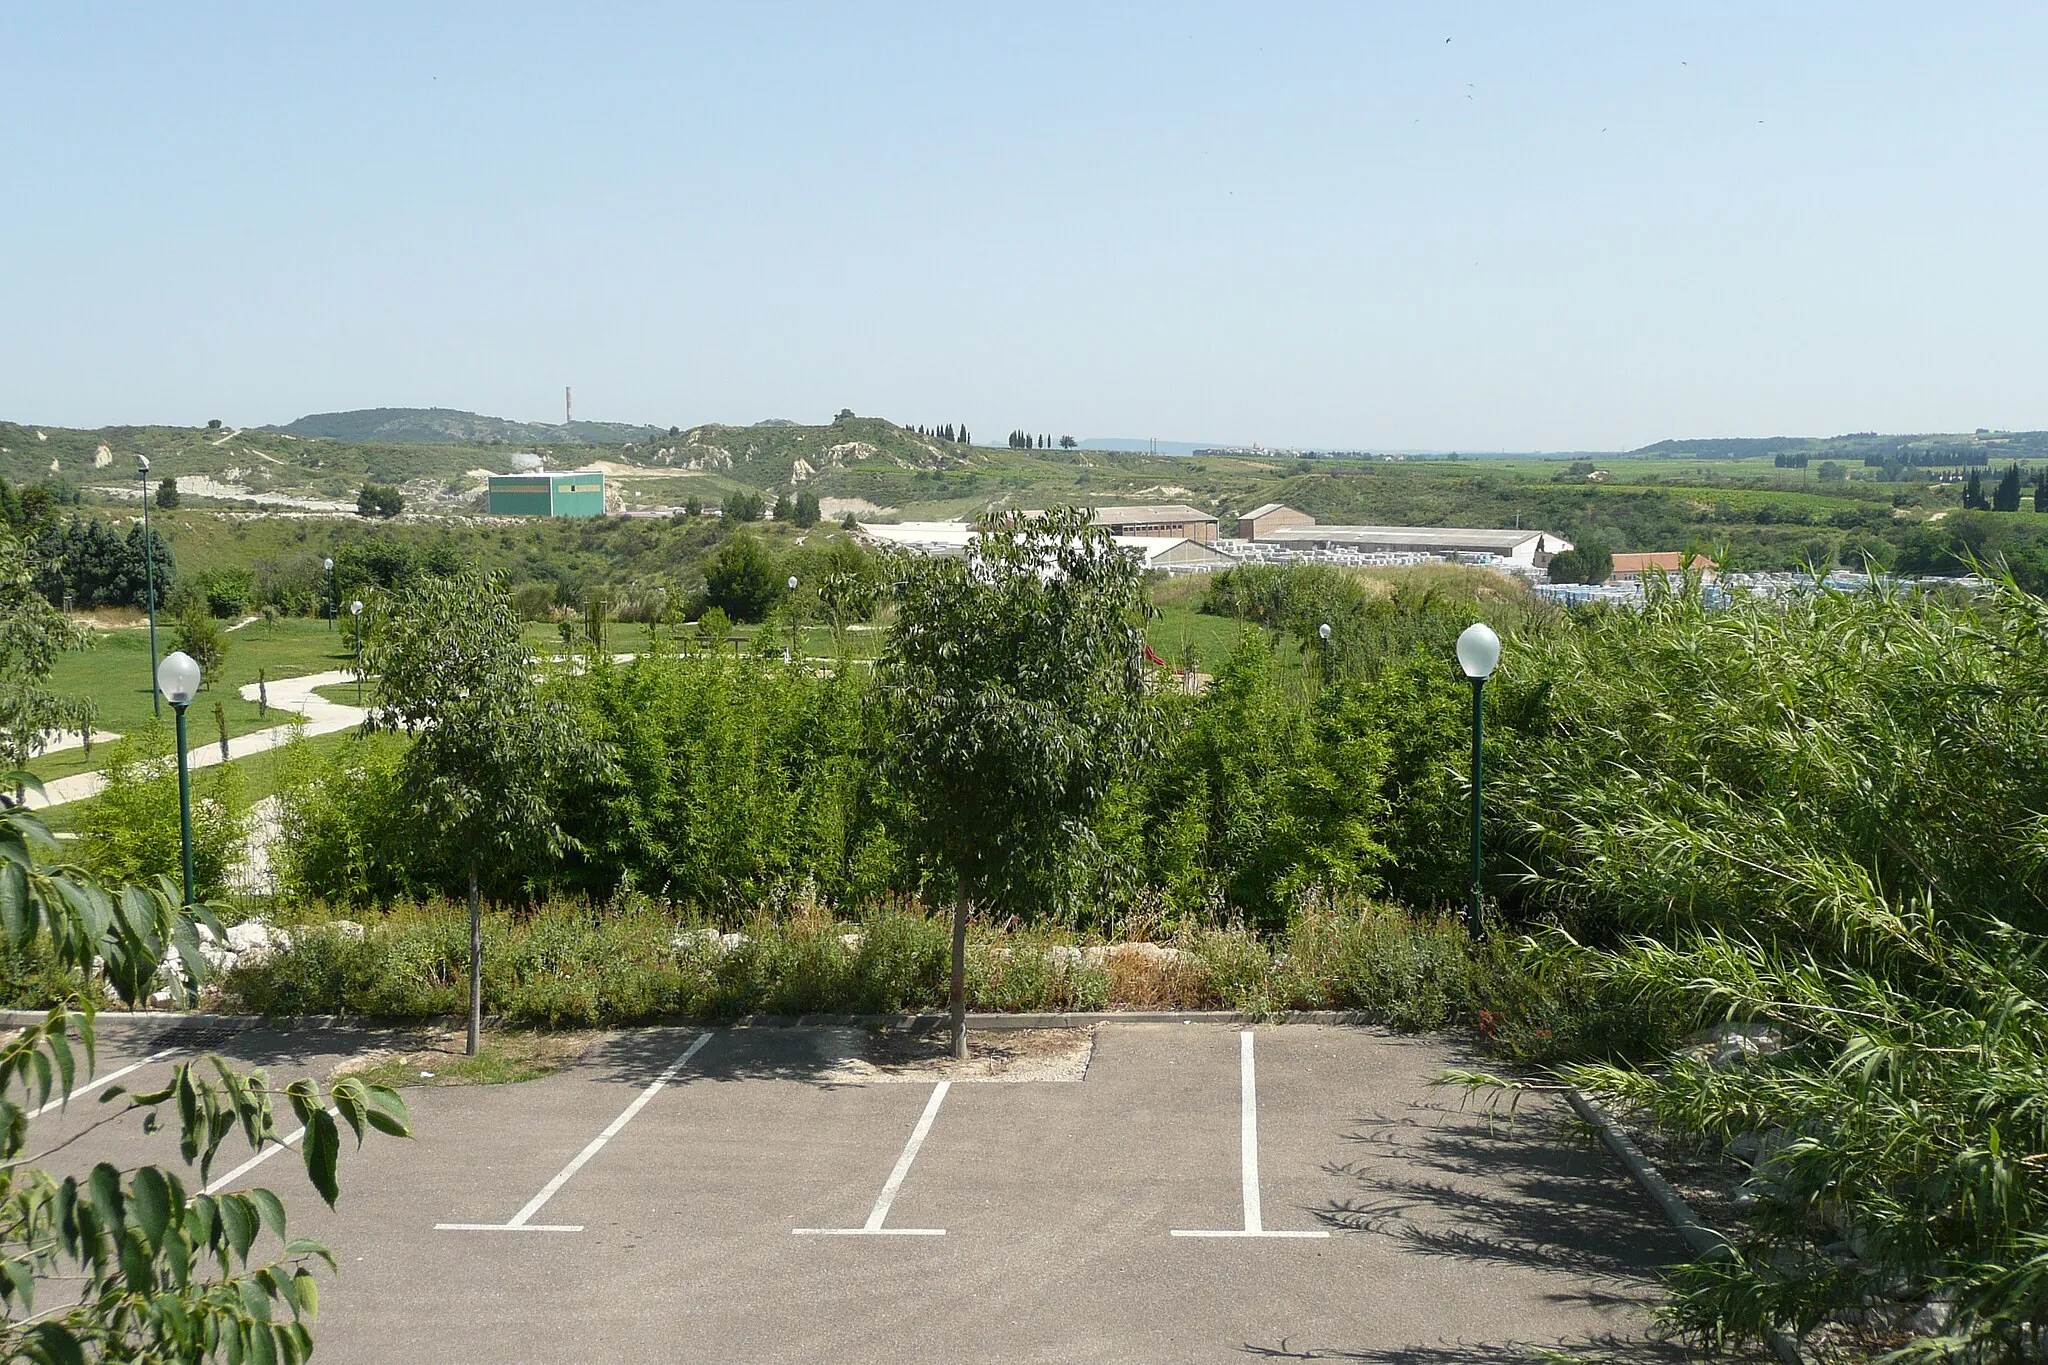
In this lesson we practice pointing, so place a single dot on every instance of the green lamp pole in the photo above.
(149, 573)
(795, 620)
(333, 603)
(177, 678)
(1478, 654)
(355, 611)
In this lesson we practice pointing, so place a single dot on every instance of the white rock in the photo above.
(1065, 955)
(689, 939)
(348, 929)
(1930, 1318)
(1732, 1044)
(205, 934)
(852, 942)
(1144, 952)
(250, 933)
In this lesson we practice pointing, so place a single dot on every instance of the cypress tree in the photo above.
(2007, 498)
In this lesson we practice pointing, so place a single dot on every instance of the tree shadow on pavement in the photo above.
(1528, 1192)
(814, 1054)
(1599, 1350)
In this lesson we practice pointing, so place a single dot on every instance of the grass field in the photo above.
(116, 672)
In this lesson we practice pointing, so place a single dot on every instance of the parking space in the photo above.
(1200, 1192)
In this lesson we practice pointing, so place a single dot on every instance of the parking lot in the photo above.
(1145, 1192)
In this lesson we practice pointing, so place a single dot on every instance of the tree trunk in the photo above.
(476, 964)
(961, 905)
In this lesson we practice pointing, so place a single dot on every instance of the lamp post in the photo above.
(793, 620)
(355, 611)
(149, 573)
(1478, 653)
(333, 598)
(177, 678)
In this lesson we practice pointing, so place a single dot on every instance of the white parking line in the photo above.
(1248, 1157)
(99, 1081)
(873, 1227)
(548, 1191)
(257, 1160)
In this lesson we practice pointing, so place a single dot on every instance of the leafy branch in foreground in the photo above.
(150, 1270)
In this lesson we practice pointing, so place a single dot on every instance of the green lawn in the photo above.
(1179, 625)
(115, 674)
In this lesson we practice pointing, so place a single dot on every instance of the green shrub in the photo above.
(130, 831)
(1024, 975)
(343, 829)
(30, 978)
(200, 635)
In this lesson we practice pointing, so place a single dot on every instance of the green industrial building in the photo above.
(577, 494)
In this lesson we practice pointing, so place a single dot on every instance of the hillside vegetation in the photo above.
(1775, 503)
(449, 426)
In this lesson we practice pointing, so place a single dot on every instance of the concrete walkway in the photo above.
(72, 739)
(295, 695)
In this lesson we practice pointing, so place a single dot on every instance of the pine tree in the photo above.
(2041, 491)
(2007, 496)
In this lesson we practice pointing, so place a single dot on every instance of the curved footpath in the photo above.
(296, 695)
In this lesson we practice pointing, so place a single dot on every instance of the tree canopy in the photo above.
(1014, 680)
(32, 634)
(454, 672)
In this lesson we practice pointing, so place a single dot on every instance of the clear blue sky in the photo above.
(1480, 226)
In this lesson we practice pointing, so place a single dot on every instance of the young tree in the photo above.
(32, 634)
(1586, 564)
(849, 523)
(130, 1266)
(379, 500)
(714, 627)
(694, 506)
(167, 495)
(201, 636)
(1014, 682)
(2041, 491)
(455, 673)
(785, 510)
(847, 596)
(741, 579)
(1068, 443)
(806, 509)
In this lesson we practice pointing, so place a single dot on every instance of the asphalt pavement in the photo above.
(1204, 1193)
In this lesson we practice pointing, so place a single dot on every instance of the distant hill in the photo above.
(1728, 447)
(781, 452)
(1994, 445)
(1143, 444)
(445, 426)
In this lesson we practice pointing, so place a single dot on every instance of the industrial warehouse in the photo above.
(1181, 539)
